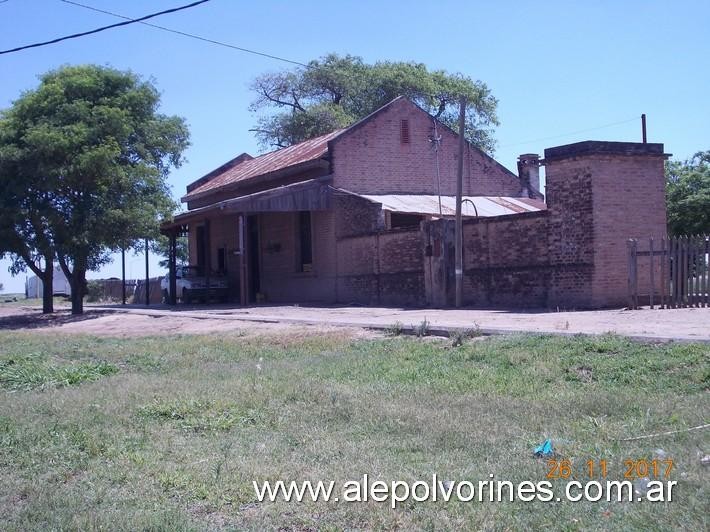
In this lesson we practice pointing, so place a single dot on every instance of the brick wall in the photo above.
(570, 233)
(371, 158)
(506, 261)
(384, 268)
(281, 280)
(629, 202)
(599, 195)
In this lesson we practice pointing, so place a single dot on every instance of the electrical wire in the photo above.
(103, 28)
(190, 35)
(571, 133)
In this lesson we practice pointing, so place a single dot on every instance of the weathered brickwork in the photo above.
(574, 254)
(372, 159)
(570, 233)
(506, 261)
(383, 268)
(356, 216)
(600, 195)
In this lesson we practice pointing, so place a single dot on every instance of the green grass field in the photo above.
(168, 434)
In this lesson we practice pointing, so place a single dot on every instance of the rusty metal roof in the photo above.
(472, 206)
(283, 158)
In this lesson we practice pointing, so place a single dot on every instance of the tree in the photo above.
(334, 92)
(688, 195)
(91, 143)
(24, 225)
(161, 247)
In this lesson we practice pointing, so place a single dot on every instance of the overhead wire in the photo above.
(103, 28)
(571, 133)
(187, 34)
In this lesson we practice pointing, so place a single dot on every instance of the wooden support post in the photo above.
(706, 255)
(123, 275)
(208, 259)
(675, 275)
(684, 272)
(706, 274)
(243, 296)
(172, 265)
(650, 273)
(632, 274)
(664, 284)
(691, 271)
(147, 276)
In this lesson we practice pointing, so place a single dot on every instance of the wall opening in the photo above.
(404, 131)
(305, 239)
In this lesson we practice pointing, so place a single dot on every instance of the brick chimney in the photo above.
(529, 173)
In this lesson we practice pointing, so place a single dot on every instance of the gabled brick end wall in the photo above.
(372, 158)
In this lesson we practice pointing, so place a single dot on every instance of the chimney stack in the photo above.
(529, 174)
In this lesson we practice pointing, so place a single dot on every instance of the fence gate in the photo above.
(669, 272)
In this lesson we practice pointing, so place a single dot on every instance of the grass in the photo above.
(19, 300)
(25, 372)
(173, 436)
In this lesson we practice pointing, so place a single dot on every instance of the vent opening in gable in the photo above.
(404, 131)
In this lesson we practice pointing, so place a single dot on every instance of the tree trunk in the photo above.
(78, 289)
(48, 290)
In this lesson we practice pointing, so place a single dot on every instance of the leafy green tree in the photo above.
(161, 246)
(335, 91)
(24, 226)
(91, 143)
(688, 195)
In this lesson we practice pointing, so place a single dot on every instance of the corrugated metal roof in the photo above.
(308, 150)
(478, 206)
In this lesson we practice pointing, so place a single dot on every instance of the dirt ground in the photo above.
(120, 324)
(691, 324)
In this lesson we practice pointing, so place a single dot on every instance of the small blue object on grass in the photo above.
(545, 449)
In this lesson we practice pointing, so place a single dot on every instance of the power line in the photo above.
(104, 28)
(571, 133)
(190, 35)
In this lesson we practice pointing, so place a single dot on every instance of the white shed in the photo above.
(34, 288)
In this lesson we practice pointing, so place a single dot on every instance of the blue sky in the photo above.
(556, 67)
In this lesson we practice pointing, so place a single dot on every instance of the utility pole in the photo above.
(147, 276)
(459, 193)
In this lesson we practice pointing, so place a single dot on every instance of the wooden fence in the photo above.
(669, 272)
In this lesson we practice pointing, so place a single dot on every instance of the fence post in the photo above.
(692, 271)
(675, 282)
(663, 273)
(706, 272)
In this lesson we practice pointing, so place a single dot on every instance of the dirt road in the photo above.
(692, 324)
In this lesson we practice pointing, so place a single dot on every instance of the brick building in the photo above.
(364, 215)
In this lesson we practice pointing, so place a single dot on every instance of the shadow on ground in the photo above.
(37, 320)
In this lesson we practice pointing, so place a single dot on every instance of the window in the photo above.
(404, 131)
(402, 219)
(305, 240)
(221, 260)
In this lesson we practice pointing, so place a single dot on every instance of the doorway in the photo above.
(254, 282)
